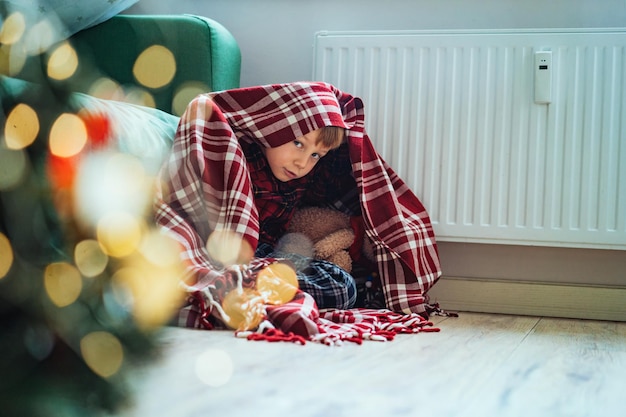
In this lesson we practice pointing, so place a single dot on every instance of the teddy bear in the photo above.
(328, 234)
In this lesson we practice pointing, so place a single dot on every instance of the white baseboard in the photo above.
(530, 298)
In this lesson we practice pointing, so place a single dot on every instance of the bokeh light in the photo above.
(13, 28)
(106, 89)
(109, 183)
(63, 62)
(140, 97)
(12, 59)
(227, 247)
(63, 283)
(39, 341)
(6, 255)
(148, 281)
(160, 250)
(245, 309)
(68, 135)
(277, 283)
(57, 313)
(13, 54)
(102, 352)
(214, 367)
(13, 168)
(89, 258)
(21, 127)
(185, 93)
(98, 126)
(155, 67)
(119, 234)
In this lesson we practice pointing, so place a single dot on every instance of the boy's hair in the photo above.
(331, 136)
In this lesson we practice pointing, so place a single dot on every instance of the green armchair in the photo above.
(206, 55)
(205, 52)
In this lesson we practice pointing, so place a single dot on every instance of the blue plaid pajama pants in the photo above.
(329, 285)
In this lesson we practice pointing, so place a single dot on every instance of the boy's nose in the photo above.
(300, 163)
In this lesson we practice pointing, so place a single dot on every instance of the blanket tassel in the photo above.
(275, 335)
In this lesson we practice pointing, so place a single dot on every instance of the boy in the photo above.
(243, 160)
(281, 177)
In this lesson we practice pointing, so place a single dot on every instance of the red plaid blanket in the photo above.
(206, 186)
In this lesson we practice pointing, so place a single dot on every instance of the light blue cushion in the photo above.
(74, 15)
(144, 132)
(141, 131)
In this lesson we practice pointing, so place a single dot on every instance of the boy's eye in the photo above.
(297, 143)
(316, 156)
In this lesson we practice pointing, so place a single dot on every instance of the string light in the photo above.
(63, 283)
(68, 135)
(185, 93)
(148, 281)
(63, 62)
(119, 234)
(155, 67)
(102, 352)
(214, 367)
(74, 309)
(21, 127)
(12, 28)
(6, 255)
(89, 257)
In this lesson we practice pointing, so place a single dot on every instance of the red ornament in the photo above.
(98, 129)
(62, 171)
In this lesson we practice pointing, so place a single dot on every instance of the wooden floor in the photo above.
(478, 365)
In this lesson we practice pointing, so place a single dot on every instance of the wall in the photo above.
(276, 39)
(276, 36)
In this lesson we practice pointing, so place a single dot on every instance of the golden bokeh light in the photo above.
(119, 234)
(159, 249)
(21, 127)
(185, 93)
(6, 255)
(214, 367)
(139, 97)
(68, 135)
(89, 258)
(13, 168)
(106, 89)
(63, 283)
(277, 283)
(13, 28)
(244, 308)
(155, 67)
(102, 352)
(63, 62)
(148, 281)
(12, 59)
(228, 247)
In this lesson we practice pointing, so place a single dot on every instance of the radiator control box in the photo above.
(543, 77)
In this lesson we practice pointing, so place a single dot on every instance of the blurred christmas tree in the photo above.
(81, 299)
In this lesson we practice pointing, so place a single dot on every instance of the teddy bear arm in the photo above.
(343, 260)
(334, 242)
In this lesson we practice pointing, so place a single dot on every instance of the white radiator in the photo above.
(454, 113)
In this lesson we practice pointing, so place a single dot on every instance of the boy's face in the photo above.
(297, 158)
